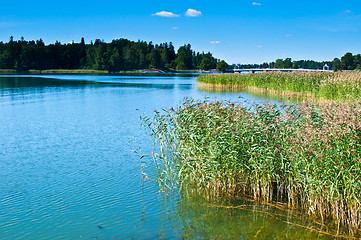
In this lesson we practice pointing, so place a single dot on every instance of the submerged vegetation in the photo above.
(317, 85)
(308, 156)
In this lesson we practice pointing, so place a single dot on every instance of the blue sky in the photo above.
(237, 31)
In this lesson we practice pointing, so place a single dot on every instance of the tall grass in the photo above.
(307, 156)
(325, 85)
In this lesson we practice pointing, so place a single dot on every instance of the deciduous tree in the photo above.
(222, 66)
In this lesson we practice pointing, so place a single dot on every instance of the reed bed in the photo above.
(318, 85)
(308, 156)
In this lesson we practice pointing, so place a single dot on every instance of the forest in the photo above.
(119, 55)
(124, 55)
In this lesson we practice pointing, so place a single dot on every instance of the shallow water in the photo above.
(68, 170)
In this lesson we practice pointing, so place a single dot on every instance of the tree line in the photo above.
(287, 63)
(119, 55)
(347, 62)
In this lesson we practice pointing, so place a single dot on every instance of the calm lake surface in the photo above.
(67, 170)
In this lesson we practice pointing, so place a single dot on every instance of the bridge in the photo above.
(254, 70)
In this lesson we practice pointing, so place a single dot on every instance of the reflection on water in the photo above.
(201, 218)
(67, 170)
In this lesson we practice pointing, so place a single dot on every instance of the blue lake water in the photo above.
(68, 170)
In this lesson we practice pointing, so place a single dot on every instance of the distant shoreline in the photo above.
(89, 72)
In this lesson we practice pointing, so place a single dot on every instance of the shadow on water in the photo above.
(30, 82)
(35, 82)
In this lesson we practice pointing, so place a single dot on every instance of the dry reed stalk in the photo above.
(307, 155)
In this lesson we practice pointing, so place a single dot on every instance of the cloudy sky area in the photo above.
(236, 31)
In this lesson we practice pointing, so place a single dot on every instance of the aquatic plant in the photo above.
(318, 85)
(308, 156)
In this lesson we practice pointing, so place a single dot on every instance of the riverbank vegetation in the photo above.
(318, 85)
(119, 55)
(53, 71)
(308, 156)
(148, 71)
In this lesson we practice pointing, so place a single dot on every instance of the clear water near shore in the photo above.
(67, 170)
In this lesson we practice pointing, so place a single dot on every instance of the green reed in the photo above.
(324, 85)
(307, 156)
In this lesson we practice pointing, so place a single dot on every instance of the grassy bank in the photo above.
(318, 85)
(90, 72)
(7, 71)
(52, 71)
(307, 156)
(69, 71)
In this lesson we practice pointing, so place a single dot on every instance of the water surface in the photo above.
(67, 170)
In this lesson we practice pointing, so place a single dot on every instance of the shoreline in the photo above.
(256, 91)
(267, 91)
(91, 72)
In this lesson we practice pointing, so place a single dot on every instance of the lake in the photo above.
(68, 169)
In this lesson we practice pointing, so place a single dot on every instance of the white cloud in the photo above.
(288, 35)
(347, 11)
(259, 46)
(165, 14)
(256, 4)
(214, 42)
(175, 28)
(193, 13)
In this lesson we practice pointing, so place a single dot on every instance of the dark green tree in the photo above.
(6, 61)
(358, 61)
(115, 62)
(155, 58)
(347, 62)
(101, 57)
(184, 58)
(264, 65)
(206, 64)
(287, 63)
(182, 61)
(279, 63)
(222, 66)
(336, 64)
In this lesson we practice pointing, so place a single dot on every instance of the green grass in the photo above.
(7, 71)
(53, 71)
(70, 71)
(307, 156)
(318, 85)
(86, 71)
